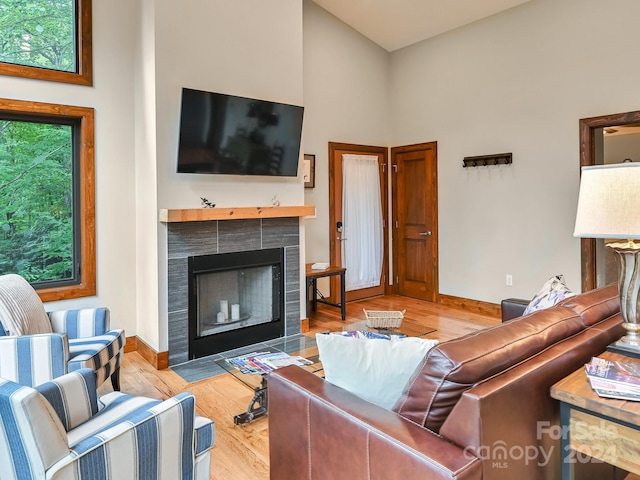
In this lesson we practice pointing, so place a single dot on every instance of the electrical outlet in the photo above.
(509, 280)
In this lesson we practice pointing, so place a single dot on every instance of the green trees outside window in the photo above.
(47, 197)
(46, 40)
(38, 33)
(37, 201)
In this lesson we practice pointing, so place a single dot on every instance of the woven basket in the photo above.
(383, 319)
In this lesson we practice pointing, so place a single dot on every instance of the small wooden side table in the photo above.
(312, 288)
(603, 428)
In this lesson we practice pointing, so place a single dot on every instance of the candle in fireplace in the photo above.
(235, 311)
(224, 308)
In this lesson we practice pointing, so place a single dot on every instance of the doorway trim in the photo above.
(588, 128)
(364, 149)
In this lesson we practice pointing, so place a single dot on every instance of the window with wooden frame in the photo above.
(47, 198)
(46, 40)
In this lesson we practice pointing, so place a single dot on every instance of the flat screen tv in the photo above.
(225, 134)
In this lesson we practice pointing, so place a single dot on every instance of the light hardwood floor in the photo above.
(242, 452)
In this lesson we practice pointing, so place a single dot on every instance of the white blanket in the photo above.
(21, 310)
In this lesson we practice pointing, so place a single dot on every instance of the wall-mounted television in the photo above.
(226, 134)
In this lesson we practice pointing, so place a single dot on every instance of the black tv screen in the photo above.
(225, 134)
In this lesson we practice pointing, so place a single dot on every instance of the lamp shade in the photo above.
(609, 202)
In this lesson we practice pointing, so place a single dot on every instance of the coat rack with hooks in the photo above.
(486, 160)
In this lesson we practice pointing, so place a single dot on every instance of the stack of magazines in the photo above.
(319, 266)
(264, 362)
(613, 379)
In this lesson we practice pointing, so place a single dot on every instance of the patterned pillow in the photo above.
(552, 292)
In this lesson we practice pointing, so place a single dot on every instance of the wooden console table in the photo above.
(312, 288)
(603, 428)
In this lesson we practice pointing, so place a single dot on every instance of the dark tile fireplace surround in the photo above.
(187, 239)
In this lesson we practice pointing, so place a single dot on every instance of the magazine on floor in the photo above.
(613, 379)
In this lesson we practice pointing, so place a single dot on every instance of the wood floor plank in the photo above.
(242, 451)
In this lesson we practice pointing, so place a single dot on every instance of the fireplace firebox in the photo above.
(235, 299)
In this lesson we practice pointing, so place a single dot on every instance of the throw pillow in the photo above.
(372, 366)
(552, 292)
(21, 310)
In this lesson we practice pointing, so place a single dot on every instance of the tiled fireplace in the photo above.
(216, 237)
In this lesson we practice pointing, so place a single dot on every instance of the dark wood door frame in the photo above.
(589, 128)
(364, 149)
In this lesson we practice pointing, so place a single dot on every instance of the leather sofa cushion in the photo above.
(452, 367)
(595, 305)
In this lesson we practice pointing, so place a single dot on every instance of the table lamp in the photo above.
(609, 207)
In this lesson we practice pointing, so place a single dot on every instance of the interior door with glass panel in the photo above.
(358, 228)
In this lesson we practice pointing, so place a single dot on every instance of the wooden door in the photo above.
(415, 233)
(336, 150)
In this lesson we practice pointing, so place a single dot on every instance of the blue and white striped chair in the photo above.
(61, 430)
(56, 342)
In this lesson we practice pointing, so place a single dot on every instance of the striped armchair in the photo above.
(62, 430)
(36, 346)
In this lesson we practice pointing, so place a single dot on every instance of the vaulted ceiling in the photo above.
(395, 24)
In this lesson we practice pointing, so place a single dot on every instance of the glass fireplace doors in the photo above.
(235, 299)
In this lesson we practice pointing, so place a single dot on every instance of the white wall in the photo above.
(250, 48)
(515, 82)
(346, 87)
(149, 329)
(112, 98)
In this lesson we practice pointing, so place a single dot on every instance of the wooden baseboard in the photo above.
(159, 360)
(304, 325)
(475, 306)
(131, 345)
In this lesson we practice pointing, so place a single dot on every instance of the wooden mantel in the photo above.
(235, 213)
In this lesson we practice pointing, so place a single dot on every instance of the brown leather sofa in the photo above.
(477, 407)
(511, 308)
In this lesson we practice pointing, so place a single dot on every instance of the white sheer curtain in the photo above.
(362, 251)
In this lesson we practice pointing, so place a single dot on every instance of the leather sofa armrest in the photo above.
(322, 431)
(513, 308)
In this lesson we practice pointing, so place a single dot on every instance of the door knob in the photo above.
(340, 239)
(425, 234)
